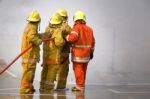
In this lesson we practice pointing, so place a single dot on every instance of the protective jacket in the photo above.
(53, 47)
(31, 36)
(83, 42)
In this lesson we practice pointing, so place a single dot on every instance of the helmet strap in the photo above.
(39, 26)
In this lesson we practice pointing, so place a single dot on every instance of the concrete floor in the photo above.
(9, 89)
(92, 92)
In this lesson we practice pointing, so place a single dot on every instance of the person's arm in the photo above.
(73, 35)
(93, 46)
(33, 37)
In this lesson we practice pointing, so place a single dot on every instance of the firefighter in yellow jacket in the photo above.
(52, 53)
(31, 57)
(63, 71)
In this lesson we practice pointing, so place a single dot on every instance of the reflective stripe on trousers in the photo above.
(27, 77)
(29, 60)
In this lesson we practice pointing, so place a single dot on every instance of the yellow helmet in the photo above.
(63, 12)
(34, 16)
(55, 19)
(79, 15)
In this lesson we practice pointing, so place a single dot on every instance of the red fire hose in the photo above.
(6, 67)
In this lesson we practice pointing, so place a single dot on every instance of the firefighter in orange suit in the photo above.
(31, 57)
(52, 53)
(83, 43)
(63, 71)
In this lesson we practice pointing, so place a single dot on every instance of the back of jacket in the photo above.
(83, 42)
(52, 50)
(30, 36)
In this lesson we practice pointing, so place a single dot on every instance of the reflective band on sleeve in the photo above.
(81, 60)
(74, 32)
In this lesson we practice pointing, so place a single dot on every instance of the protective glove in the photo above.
(91, 56)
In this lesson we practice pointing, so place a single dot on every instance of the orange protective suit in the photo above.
(83, 43)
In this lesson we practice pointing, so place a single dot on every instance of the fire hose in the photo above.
(24, 51)
(7, 66)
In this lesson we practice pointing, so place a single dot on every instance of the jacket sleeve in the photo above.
(67, 29)
(93, 42)
(46, 34)
(73, 35)
(33, 37)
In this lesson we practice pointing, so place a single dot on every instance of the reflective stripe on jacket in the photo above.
(50, 61)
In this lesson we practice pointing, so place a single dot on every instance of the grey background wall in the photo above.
(121, 29)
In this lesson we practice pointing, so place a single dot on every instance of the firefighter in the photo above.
(52, 53)
(83, 43)
(31, 57)
(63, 71)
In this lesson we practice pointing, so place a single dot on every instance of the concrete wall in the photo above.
(121, 29)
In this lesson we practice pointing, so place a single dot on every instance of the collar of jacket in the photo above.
(33, 23)
(79, 22)
(54, 26)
